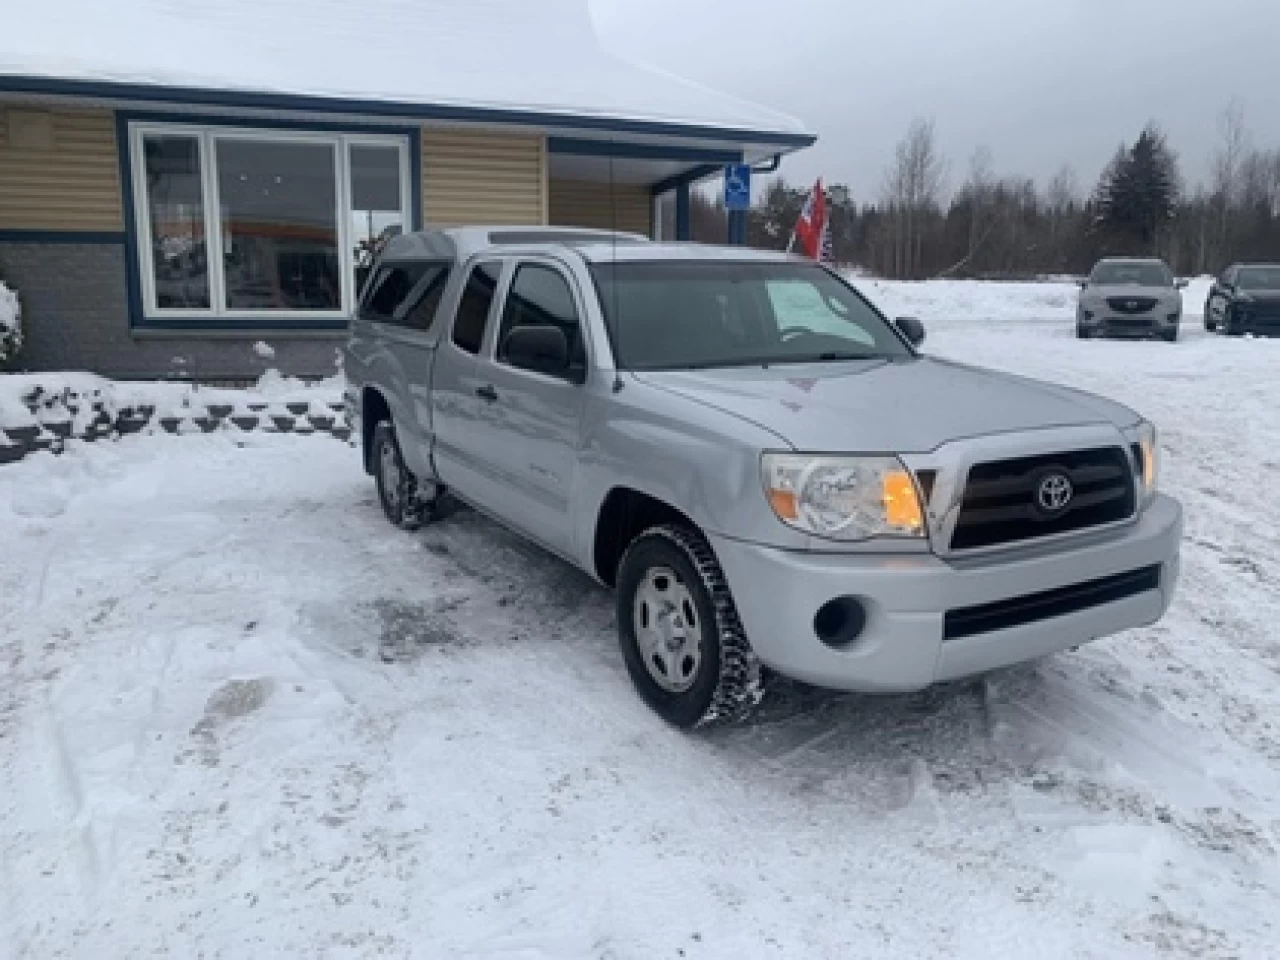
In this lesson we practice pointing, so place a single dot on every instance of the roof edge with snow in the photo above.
(229, 98)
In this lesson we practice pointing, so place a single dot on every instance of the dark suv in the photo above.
(1245, 299)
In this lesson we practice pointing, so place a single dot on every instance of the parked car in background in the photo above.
(762, 465)
(1245, 299)
(1130, 297)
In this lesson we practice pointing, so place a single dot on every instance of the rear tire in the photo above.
(1082, 333)
(679, 631)
(399, 492)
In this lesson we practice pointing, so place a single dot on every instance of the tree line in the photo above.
(1010, 226)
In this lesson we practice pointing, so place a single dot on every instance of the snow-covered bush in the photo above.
(10, 324)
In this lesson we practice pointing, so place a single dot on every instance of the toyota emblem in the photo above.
(1054, 493)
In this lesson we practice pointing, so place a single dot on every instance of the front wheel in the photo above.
(1170, 336)
(678, 627)
(399, 492)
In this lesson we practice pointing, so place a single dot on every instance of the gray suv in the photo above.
(766, 469)
(1130, 297)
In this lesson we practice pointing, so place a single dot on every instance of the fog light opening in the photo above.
(840, 622)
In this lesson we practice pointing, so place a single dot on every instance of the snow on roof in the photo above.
(534, 56)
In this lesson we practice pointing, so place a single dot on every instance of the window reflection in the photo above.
(175, 205)
(279, 225)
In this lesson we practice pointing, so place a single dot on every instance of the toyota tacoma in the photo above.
(766, 469)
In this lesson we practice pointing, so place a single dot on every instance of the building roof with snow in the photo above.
(535, 61)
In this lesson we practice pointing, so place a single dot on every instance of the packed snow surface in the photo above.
(242, 716)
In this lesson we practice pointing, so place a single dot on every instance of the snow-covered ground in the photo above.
(241, 716)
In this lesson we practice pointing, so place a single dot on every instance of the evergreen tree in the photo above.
(1138, 192)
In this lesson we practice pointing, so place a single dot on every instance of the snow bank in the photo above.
(10, 326)
(40, 411)
(947, 302)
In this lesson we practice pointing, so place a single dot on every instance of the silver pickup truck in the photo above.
(765, 468)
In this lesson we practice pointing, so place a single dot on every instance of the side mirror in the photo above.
(912, 329)
(542, 349)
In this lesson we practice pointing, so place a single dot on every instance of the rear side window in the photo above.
(418, 312)
(390, 289)
(473, 310)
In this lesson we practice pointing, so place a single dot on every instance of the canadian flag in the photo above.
(813, 229)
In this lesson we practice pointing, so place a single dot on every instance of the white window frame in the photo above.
(206, 137)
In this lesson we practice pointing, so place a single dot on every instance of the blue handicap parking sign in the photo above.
(737, 186)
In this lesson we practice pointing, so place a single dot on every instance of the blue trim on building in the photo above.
(132, 268)
(682, 212)
(245, 99)
(138, 319)
(684, 179)
(640, 151)
(62, 236)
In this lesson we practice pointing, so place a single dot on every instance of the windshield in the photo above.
(1131, 275)
(1258, 278)
(700, 313)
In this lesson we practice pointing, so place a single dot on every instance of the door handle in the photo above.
(487, 393)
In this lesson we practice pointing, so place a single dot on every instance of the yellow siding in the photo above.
(71, 181)
(473, 178)
(577, 203)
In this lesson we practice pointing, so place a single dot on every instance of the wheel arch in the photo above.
(625, 513)
(373, 410)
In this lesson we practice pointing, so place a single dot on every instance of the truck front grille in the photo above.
(1132, 305)
(1002, 501)
(1059, 602)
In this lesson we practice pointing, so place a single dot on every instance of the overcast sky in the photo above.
(1040, 82)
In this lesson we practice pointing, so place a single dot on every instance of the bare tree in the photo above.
(1227, 167)
(911, 192)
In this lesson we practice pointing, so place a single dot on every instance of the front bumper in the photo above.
(907, 597)
(1153, 324)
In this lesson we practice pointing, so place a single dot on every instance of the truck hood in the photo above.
(882, 406)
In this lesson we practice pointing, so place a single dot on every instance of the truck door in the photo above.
(529, 424)
(460, 398)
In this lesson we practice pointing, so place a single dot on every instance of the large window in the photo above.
(260, 224)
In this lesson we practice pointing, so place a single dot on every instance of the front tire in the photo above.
(399, 492)
(679, 631)
(1170, 336)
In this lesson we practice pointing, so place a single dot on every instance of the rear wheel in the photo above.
(399, 492)
(678, 627)
(1083, 333)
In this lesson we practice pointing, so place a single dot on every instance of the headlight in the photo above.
(1146, 446)
(843, 498)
